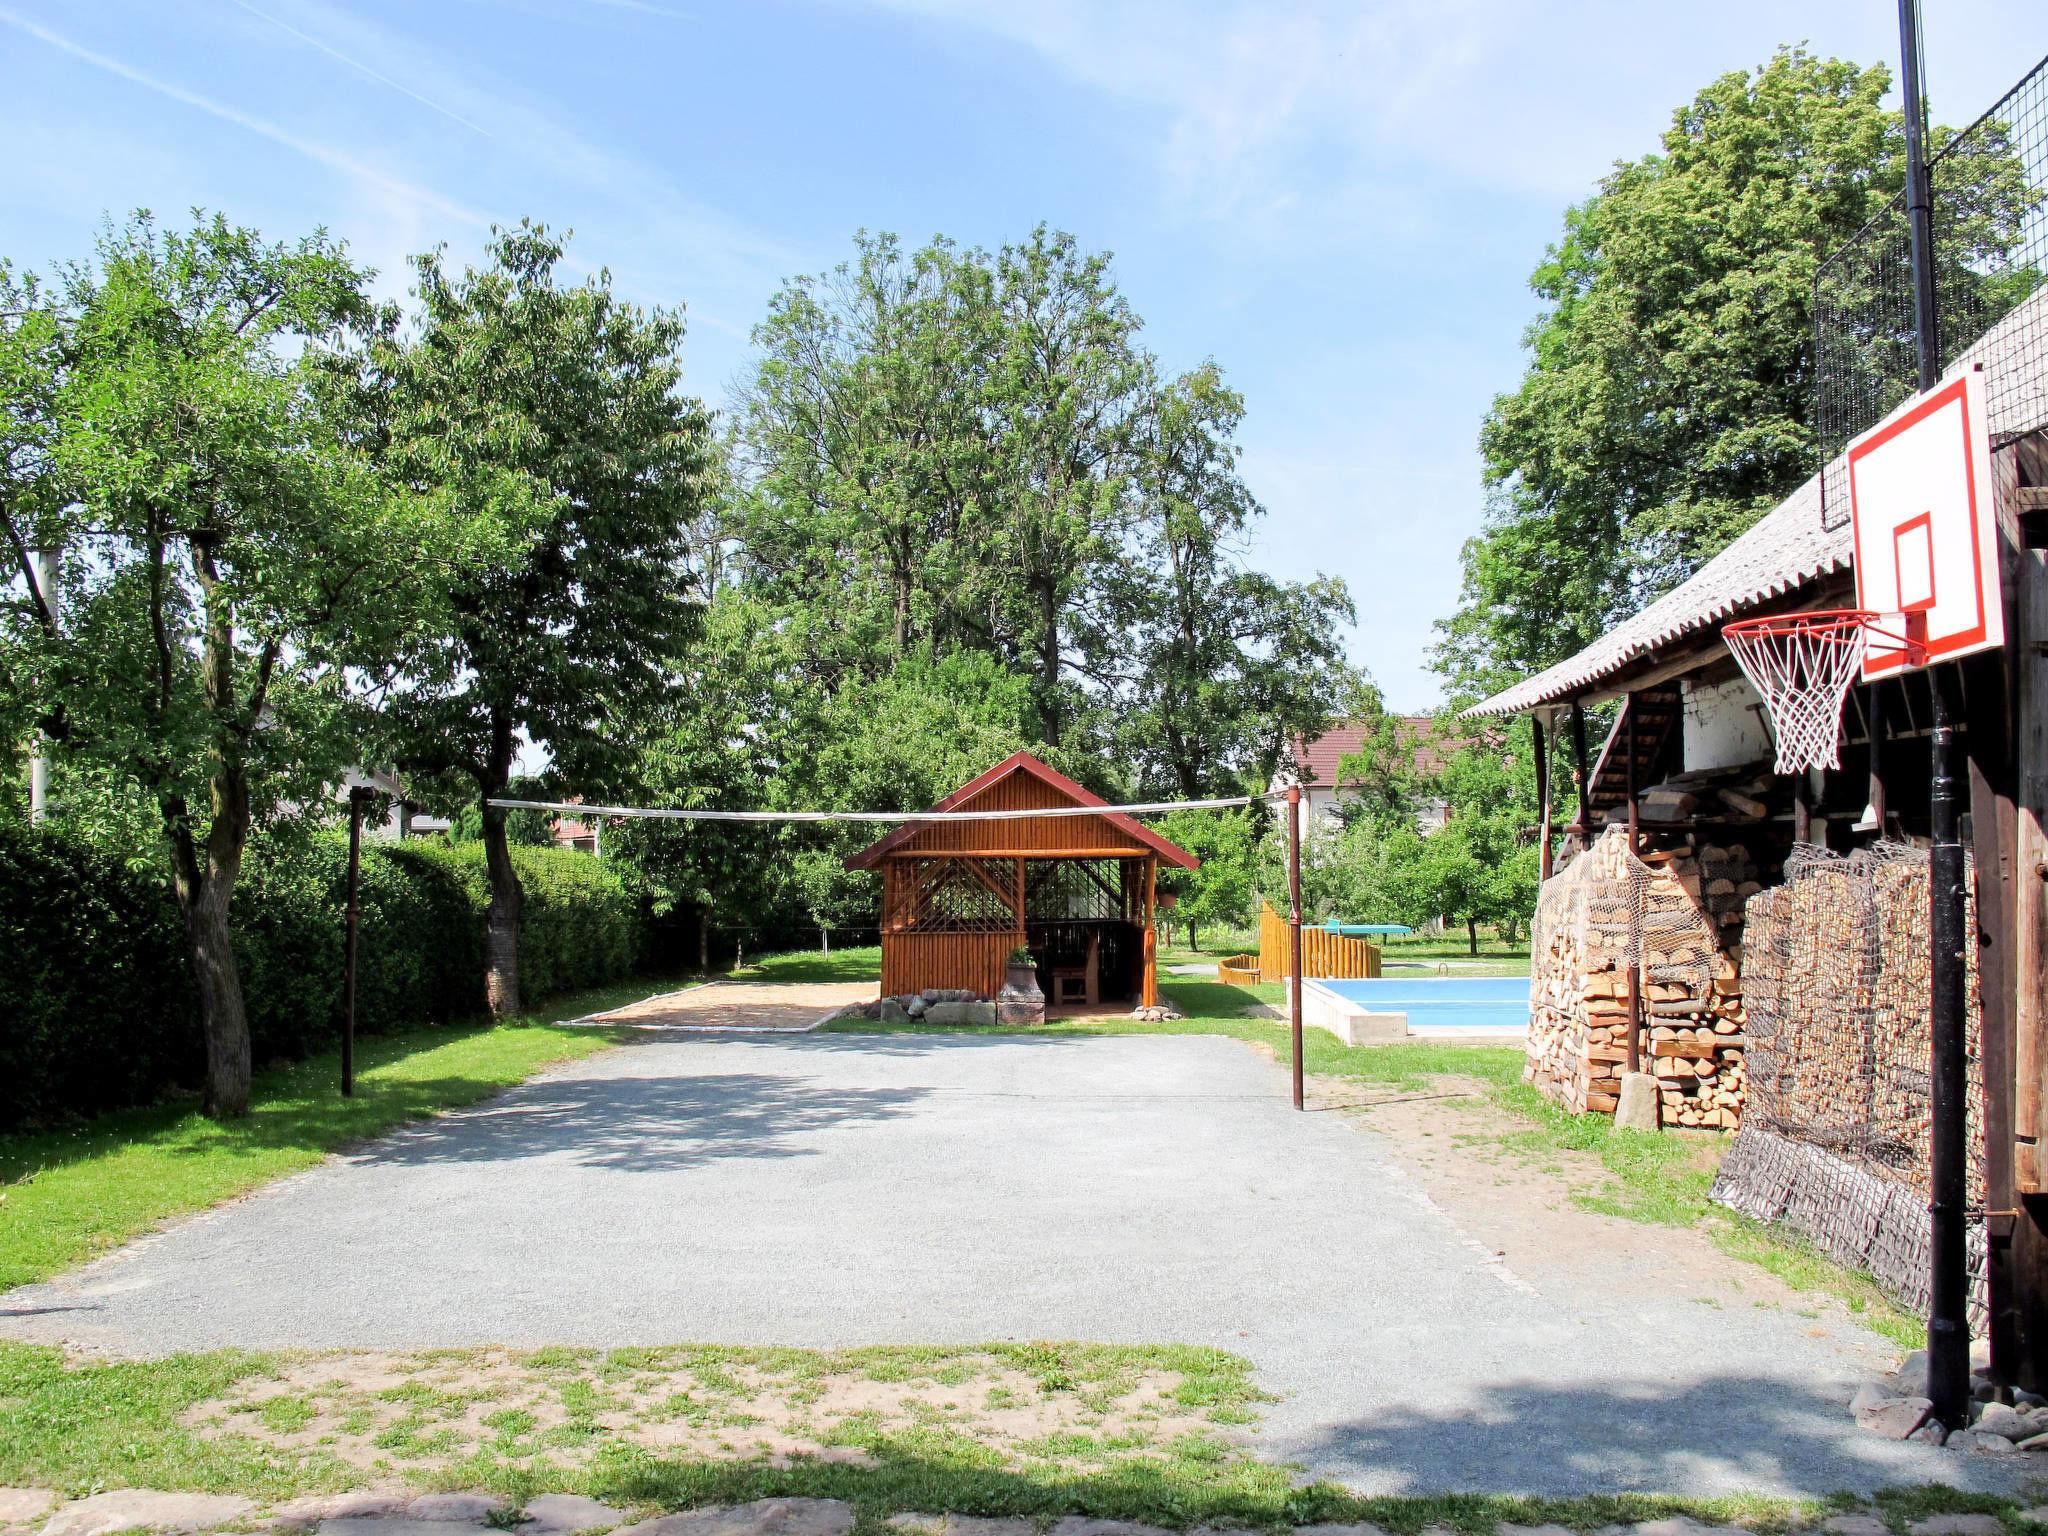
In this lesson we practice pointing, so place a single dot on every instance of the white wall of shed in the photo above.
(1725, 725)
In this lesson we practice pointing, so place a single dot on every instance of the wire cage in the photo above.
(1989, 213)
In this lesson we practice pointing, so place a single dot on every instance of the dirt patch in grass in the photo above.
(400, 1418)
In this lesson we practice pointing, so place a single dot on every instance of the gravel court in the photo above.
(836, 1189)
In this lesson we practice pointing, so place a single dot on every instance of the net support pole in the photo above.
(1294, 932)
(358, 797)
(1948, 1326)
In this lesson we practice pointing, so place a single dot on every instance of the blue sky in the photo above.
(1340, 203)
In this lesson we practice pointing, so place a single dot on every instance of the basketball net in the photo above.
(1802, 664)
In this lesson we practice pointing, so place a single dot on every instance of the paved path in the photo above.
(834, 1189)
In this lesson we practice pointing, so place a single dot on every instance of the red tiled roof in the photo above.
(1315, 762)
(1024, 762)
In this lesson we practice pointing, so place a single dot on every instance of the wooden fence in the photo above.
(1322, 953)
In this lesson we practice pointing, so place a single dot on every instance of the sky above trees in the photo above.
(1340, 207)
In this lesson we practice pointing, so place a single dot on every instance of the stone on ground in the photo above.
(1855, 1525)
(1998, 1419)
(1980, 1441)
(1530, 1530)
(1682, 1525)
(472, 1508)
(960, 1525)
(1636, 1109)
(1958, 1525)
(144, 1509)
(24, 1506)
(318, 1508)
(1363, 1529)
(763, 1517)
(568, 1513)
(1869, 1395)
(1082, 1525)
(395, 1525)
(1895, 1418)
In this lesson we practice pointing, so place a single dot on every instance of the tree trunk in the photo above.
(223, 1019)
(1472, 934)
(1049, 664)
(1191, 938)
(501, 924)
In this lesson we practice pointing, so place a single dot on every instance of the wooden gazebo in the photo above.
(1079, 891)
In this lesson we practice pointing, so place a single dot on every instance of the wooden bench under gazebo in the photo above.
(1078, 891)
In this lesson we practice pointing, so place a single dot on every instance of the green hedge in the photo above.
(96, 1003)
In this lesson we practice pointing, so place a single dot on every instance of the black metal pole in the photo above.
(1294, 929)
(358, 797)
(1948, 1324)
(1919, 199)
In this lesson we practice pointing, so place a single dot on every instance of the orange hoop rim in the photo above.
(1831, 624)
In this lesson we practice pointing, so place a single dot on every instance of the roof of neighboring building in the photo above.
(1316, 760)
(1024, 762)
(1788, 548)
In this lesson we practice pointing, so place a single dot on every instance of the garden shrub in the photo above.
(96, 1000)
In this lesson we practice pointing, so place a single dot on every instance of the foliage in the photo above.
(97, 1007)
(963, 451)
(556, 413)
(1666, 402)
(1221, 892)
(234, 568)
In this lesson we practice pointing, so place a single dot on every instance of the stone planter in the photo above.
(1020, 1001)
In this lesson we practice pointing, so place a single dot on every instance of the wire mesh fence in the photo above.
(1989, 215)
(1837, 968)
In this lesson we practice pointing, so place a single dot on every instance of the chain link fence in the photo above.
(1989, 213)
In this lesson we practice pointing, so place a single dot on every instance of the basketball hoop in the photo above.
(1803, 664)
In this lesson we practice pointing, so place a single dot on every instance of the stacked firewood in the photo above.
(1682, 912)
(1837, 970)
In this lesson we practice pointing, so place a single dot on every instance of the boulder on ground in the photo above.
(145, 1509)
(960, 1011)
(1895, 1418)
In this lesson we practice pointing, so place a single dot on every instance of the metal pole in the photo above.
(358, 797)
(1948, 1324)
(1294, 929)
(1919, 200)
(44, 566)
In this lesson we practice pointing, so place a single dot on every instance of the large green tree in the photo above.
(1666, 401)
(557, 411)
(235, 572)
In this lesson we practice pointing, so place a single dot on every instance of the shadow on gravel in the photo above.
(1733, 1432)
(647, 1124)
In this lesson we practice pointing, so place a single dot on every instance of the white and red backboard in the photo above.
(1926, 537)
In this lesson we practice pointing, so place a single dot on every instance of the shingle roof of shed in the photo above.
(1789, 549)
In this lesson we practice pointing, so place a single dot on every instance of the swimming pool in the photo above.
(1472, 1005)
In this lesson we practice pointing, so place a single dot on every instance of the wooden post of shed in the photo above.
(1635, 917)
(1150, 992)
(1542, 794)
(1580, 771)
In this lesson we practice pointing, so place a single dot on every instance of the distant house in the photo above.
(1315, 763)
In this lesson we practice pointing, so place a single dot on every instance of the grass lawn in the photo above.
(861, 963)
(1036, 1430)
(73, 1193)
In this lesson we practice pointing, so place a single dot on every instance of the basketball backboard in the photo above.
(1926, 536)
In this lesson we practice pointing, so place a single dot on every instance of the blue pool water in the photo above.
(1443, 1003)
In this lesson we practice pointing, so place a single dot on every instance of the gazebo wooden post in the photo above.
(1542, 793)
(1150, 991)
